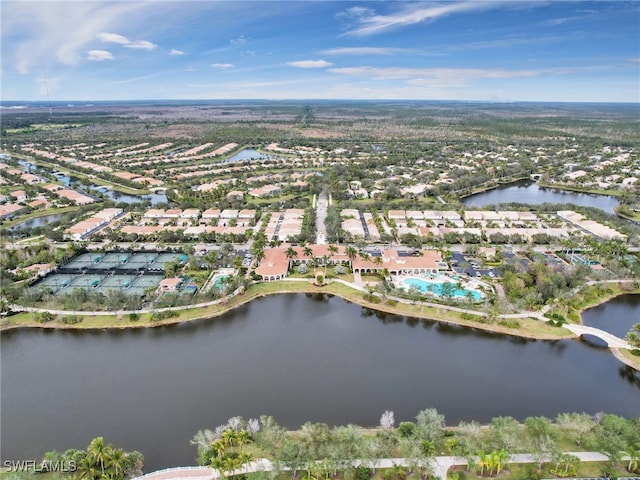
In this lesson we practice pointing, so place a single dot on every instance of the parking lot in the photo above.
(471, 267)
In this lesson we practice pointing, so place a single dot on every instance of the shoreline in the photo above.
(440, 314)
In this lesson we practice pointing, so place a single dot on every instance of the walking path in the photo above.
(439, 465)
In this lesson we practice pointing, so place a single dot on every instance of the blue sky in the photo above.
(452, 50)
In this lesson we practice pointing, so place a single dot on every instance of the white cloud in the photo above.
(124, 41)
(310, 64)
(60, 32)
(176, 52)
(369, 23)
(99, 55)
(241, 40)
(222, 65)
(366, 51)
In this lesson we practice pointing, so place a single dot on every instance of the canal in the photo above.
(297, 357)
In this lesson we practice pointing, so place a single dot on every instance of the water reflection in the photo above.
(295, 357)
(528, 192)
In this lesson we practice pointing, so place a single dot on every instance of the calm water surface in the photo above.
(529, 192)
(295, 357)
(154, 198)
(247, 154)
(37, 222)
(616, 317)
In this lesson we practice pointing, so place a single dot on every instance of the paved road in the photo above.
(321, 215)
(439, 465)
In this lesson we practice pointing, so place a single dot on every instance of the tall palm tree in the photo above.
(364, 256)
(229, 437)
(99, 453)
(333, 249)
(307, 251)
(378, 262)
(242, 438)
(291, 253)
(325, 260)
(88, 469)
(352, 253)
(118, 460)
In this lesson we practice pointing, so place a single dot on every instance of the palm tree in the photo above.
(633, 452)
(88, 469)
(242, 438)
(351, 252)
(229, 437)
(291, 253)
(307, 251)
(118, 460)
(325, 260)
(378, 262)
(333, 249)
(99, 453)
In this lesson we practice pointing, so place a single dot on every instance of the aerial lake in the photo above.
(297, 357)
(525, 191)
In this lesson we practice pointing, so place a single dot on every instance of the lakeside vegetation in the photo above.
(350, 452)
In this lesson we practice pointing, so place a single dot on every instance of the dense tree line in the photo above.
(319, 451)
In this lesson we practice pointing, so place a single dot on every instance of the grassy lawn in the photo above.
(595, 191)
(629, 214)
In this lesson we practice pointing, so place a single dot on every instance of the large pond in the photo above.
(529, 192)
(616, 317)
(116, 196)
(247, 154)
(295, 357)
(37, 222)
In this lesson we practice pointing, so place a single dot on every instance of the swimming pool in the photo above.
(440, 289)
(219, 281)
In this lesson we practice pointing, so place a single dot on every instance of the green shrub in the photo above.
(44, 317)
(70, 319)
(134, 317)
(391, 302)
(406, 429)
(157, 316)
(509, 323)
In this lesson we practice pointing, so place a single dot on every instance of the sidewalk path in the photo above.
(440, 466)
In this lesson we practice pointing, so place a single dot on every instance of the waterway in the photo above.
(297, 357)
(616, 317)
(529, 192)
